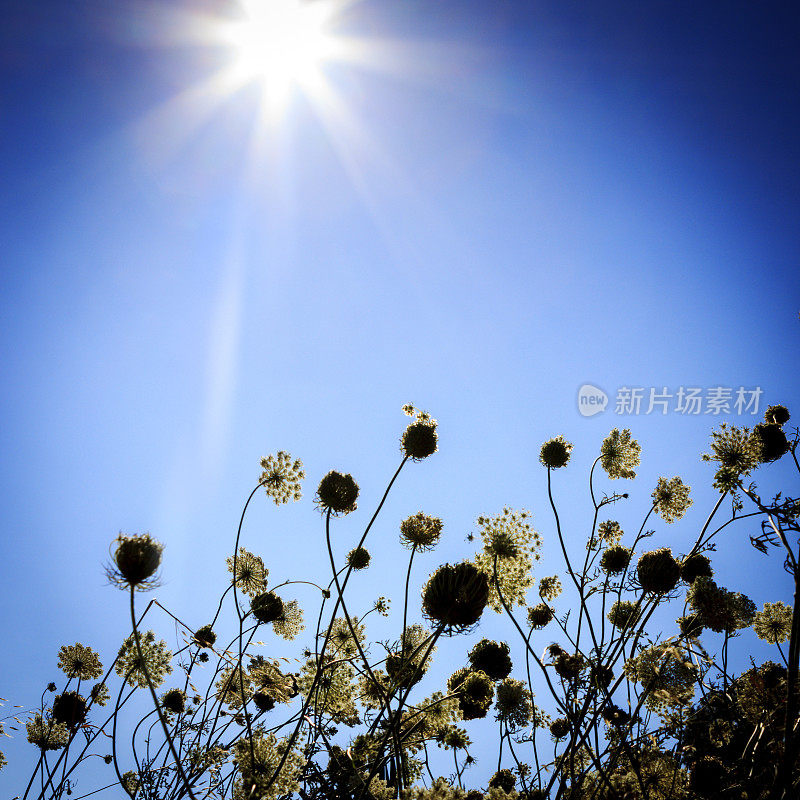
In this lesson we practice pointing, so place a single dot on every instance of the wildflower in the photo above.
(510, 542)
(263, 702)
(601, 676)
(513, 703)
(559, 728)
(281, 477)
(609, 532)
(46, 733)
(540, 615)
(614, 715)
(289, 624)
(382, 606)
(79, 662)
(719, 609)
(555, 453)
(695, 566)
(779, 415)
(69, 708)
(234, 682)
(99, 694)
(569, 666)
(336, 695)
(403, 672)
(619, 454)
(420, 440)
(267, 607)
(337, 493)
(771, 442)
(666, 673)
(504, 779)
(3, 760)
(671, 499)
(691, 626)
(492, 658)
(623, 614)
(155, 660)
(550, 588)
(136, 560)
(205, 636)
(358, 558)
(736, 452)
(174, 701)
(341, 637)
(269, 680)
(475, 692)
(454, 738)
(774, 623)
(455, 596)
(250, 574)
(131, 783)
(615, 559)
(658, 571)
(420, 531)
(409, 410)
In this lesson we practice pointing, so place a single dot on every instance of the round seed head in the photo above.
(136, 558)
(267, 607)
(658, 571)
(69, 708)
(504, 779)
(615, 559)
(337, 493)
(358, 558)
(419, 440)
(205, 636)
(455, 596)
(696, 566)
(555, 453)
(492, 658)
(779, 415)
(771, 441)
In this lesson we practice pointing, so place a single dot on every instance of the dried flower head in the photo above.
(691, 626)
(267, 607)
(281, 477)
(559, 728)
(78, 661)
(555, 453)
(658, 571)
(773, 623)
(248, 570)
(615, 559)
(695, 566)
(205, 636)
(719, 609)
(341, 637)
(257, 761)
(666, 672)
(569, 666)
(623, 614)
(420, 531)
(619, 454)
(771, 442)
(550, 588)
(136, 560)
(671, 499)
(155, 660)
(540, 615)
(130, 782)
(420, 439)
(475, 692)
(69, 708)
(513, 703)
(358, 558)
(503, 779)
(174, 701)
(455, 596)
(779, 415)
(492, 658)
(337, 494)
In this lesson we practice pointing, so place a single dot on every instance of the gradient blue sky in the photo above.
(515, 198)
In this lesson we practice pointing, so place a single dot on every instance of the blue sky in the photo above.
(525, 197)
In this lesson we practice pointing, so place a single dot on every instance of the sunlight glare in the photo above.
(281, 44)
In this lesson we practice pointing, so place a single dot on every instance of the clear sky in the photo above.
(495, 204)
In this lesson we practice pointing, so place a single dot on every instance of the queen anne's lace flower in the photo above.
(251, 574)
(281, 477)
(671, 499)
(774, 623)
(79, 661)
(155, 659)
(420, 531)
(555, 453)
(619, 454)
(513, 703)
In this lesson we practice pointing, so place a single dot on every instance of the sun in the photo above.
(280, 44)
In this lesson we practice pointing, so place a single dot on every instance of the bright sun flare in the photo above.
(281, 44)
